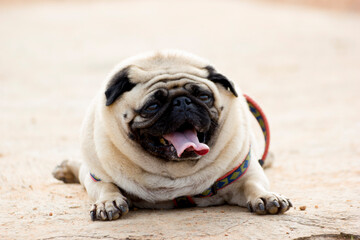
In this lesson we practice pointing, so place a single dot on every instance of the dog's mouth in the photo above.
(186, 140)
(185, 143)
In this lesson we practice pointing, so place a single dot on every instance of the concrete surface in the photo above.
(302, 65)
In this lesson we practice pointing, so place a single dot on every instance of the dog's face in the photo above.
(169, 105)
(176, 122)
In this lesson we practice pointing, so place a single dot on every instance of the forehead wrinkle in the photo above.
(168, 80)
(141, 73)
(168, 83)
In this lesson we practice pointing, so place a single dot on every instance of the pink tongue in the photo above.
(187, 141)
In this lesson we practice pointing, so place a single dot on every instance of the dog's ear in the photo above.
(219, 78)
(119, 84)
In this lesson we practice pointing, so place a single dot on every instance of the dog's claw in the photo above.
(284, 206)
(261, 207)
(250, 207)
(93, 215)
(124, 209)
(101, 215)
(110, 215)
(290, 203)
(272, 205)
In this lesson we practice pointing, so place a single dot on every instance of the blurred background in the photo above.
(55, 54)
(299, 59)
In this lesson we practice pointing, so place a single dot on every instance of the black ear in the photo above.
(119, 84)
(219, 78)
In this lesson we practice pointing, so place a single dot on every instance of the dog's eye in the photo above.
(152, 108)
(204, 97)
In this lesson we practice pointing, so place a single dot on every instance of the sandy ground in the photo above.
(301, 64)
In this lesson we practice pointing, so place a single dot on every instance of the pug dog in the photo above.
(167, 130)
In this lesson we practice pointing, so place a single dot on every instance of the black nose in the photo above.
(181, 102)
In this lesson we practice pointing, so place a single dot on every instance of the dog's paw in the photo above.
(64, 173)
(269, 203)
(109, 209)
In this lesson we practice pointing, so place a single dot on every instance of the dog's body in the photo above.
(135, 138)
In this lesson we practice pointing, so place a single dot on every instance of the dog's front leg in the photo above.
(259, 199)
(109, 204)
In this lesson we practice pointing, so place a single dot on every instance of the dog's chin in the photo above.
(172, 156)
